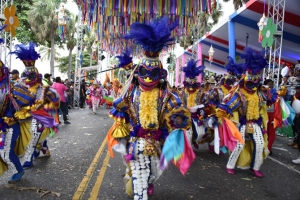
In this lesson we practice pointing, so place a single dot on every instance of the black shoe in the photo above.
(271, 153)
(67, 122)
(59, 122)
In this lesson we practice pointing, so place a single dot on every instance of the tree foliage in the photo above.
(63, 62)
(237, 3)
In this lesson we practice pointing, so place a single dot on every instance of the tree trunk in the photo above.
(52, 55)
(91, 58)
(70, 63)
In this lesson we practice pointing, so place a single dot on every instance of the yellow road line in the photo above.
(87, 177)
(96, 188)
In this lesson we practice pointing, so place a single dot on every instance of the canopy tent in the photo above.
(245, 22)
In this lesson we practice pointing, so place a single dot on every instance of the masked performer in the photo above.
(245, 99)
(192, 92)
(95, 95)
(145, 109)
(36, 122)
(12, 98)
(216, 96)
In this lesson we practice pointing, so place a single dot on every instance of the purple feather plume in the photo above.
(26, 52)
(153, 37)
(255, 61)
(234, 68)
(191, 70)
(124, 59)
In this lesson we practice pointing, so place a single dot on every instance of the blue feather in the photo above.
(124, 59)
(191, 70)
(234, 68)
(153, 37)
(255, 61)
(26, 52)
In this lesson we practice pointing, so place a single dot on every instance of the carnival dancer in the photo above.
(145, 110)
(12, 97)
(116, 91)
(36, 122)
(216, 96)
(191, 97)
(245, 99)
(95, 95)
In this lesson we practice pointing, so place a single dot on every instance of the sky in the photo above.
(44, 66)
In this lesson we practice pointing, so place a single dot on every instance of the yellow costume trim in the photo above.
(224, 90)
(148, 108)
(252, 112)
(33, 88)
(191, 99)
(23, 113)
(182, 111)
(3, 167)
(121, 130)
(9, 120)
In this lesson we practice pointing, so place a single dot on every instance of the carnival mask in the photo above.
(31, 75)
(150, 72)
(251, 82)
(191, 85)
(3, 72)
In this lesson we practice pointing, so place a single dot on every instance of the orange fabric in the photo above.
(111, 141)
(234, 130)
(277, 115)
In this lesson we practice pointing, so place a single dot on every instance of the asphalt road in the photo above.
(80, 168)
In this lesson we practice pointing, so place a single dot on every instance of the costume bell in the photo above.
(251, 146)
(147, 113)
(36, 121)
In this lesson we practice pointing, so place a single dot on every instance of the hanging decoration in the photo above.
(211, 54)
(261, 24)
(94, 50)
(62, 21)
(268, 31)
(11, 21)
(111, 19)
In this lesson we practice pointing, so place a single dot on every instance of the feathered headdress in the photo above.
(255, 61)
(192, 70)
(125, 61)
(153, 37)
(27, 53)
(233, 68)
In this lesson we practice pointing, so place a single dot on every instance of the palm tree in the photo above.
(88, 41)
(237, 3)
(46, 52)
(71, 41)
(43, 21)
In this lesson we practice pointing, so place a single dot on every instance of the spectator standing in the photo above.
(14, 76)
(46, 80)
(82, 90)
(61, 89)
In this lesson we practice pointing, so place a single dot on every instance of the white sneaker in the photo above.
(297, 161)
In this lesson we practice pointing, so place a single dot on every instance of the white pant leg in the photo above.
(258, 142)
(237, 150)
(4, 153)
(95, 103)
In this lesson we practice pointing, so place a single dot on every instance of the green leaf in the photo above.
(269, 23)
(264, 31)
(246, 179)
(264, 42)
(273, 29)
(270, 41)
